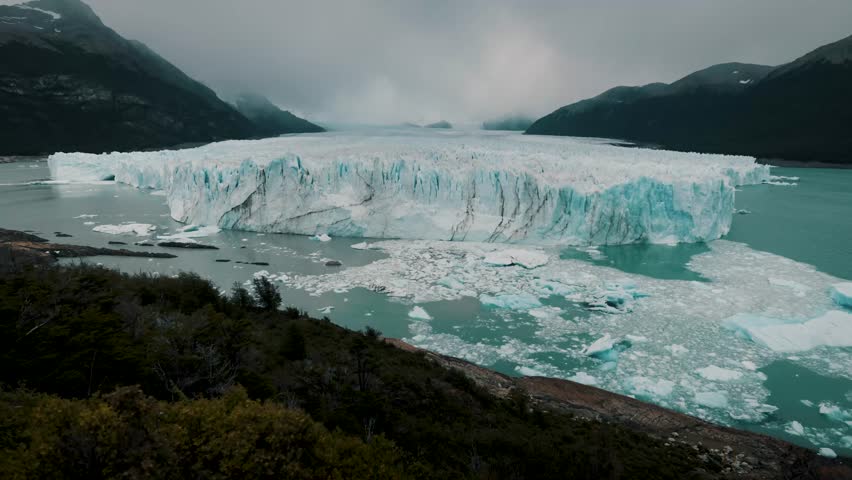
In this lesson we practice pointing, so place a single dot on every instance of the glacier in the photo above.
(460, 186)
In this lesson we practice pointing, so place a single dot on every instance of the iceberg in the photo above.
(607, 348)
(832, 329)
(459, 186)
(138, 229)
(841, 293)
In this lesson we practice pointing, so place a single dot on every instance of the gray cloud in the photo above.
(384, 61)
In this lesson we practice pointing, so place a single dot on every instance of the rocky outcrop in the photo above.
(21, 249)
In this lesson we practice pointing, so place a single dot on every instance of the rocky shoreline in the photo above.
(20, 249)
(739, 453)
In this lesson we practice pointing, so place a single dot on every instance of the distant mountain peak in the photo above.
(269, 119)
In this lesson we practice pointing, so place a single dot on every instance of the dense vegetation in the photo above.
(800, 111)
(242, 389)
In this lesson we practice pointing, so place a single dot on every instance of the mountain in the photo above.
(269, 120)
(441, 124)
(799, 111)
(508, 122)
(70, 83)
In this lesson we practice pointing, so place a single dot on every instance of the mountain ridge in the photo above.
(796, 111)
(70, 83)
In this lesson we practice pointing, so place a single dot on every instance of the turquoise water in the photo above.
(810, 222)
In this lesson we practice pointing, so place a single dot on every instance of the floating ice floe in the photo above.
(607, 348)
(189, 232)
(831, 329)
(419, 313)
(827, 452)
(712, 399)
(584, 378)
(361, 246)
(321, 237)
(795, 428)
(675, 328)
(718, 374)
(524, 258)
(138, 229)
(516, 301)
(841, 293)
(466, 186)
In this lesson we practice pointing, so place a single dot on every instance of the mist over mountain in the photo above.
(269, 119)
(70, 83)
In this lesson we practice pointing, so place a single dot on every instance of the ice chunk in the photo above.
(718, 374)
(827, 452)
(749, 365)
(524, 258)
(649, 388)
(795, 428)
(521, 301)
(832, 329)
(325, 310)
(606, 348)
(419, 313)
(714, 399)
(189, 232)
(834, 412)
(528, 372)
(139, 229)
(676, 349)
(584, 378)
(462, 186)
(361, 246)
(841, 293)
(321, 237)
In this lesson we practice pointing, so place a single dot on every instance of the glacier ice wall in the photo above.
(438, 186)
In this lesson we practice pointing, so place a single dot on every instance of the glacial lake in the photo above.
(795, 240)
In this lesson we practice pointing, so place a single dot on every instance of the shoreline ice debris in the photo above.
(139, 229)
(841, 293)
(462, 186)
(827, 453)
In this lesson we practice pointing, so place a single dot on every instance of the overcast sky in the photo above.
(462, 60)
